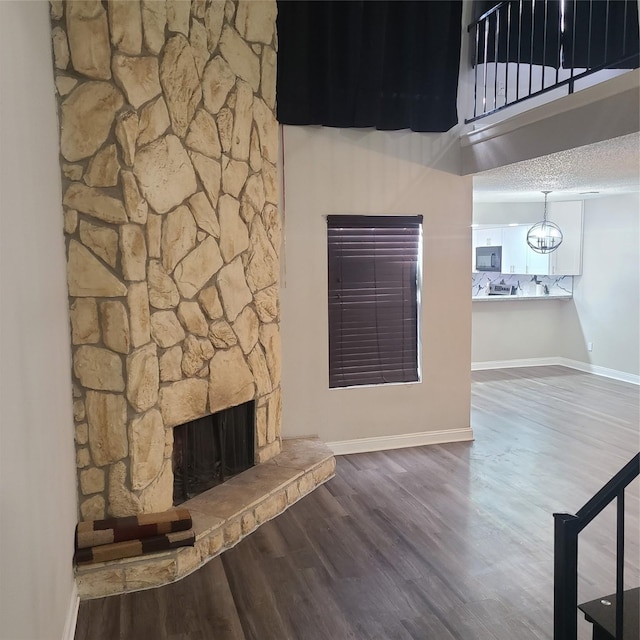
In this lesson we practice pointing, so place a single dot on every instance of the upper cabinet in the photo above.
(566, 260)
(519, 258)
(487, 238)
(515, 251)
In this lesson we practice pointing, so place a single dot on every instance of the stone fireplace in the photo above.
(168, 154)
(169, 146)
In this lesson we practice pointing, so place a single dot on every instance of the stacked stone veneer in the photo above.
(168, 146)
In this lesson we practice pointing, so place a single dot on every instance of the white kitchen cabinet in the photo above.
(538, 264)
(514, 249)
(487, 237)
(566, 260)
(517, 255)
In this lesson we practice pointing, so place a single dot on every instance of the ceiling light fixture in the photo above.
(545, 236)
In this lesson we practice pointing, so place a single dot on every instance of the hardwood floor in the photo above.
(431, 543)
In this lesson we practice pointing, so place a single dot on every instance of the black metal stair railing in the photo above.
(525, 48)
(566, 530)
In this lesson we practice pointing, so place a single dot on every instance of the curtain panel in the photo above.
(605, 31)
(369, 63)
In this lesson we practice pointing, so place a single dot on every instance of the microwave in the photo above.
(489, 259)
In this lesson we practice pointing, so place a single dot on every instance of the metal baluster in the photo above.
(560, 48)
(531, 39)
(506, 73)
(496, 38)
(606, 35)
(624, 32)
(590, 34)
(519, 45)
(573, 44)
(544, 42)
(475, 72)
(484, 83)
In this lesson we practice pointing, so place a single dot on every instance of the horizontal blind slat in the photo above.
(372, 299)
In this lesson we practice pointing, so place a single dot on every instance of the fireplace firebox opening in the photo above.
(209, 450)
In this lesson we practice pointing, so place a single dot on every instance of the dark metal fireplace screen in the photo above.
(210, 450)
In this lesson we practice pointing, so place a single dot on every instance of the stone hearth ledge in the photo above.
(222, 516)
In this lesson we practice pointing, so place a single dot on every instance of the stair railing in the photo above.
(567, 527)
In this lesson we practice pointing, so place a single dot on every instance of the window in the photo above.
(374, 289)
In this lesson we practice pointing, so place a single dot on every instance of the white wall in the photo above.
(503, 213)
(516, 330)
(329, 171)
(37, 464)
(605, 309)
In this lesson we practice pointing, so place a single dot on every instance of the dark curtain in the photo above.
(607, 23)
(514, 20)
(369, 63)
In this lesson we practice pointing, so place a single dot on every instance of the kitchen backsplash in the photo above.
(525, 285)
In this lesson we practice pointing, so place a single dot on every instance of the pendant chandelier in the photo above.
(545, 236)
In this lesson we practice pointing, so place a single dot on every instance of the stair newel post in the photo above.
(620, 565)
(565, 592)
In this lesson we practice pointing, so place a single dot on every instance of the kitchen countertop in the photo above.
(486, 298)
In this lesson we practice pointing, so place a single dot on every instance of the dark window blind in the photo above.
(373, 299)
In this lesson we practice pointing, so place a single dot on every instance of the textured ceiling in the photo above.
(609, 167)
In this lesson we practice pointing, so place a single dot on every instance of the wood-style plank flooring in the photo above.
(431, 543)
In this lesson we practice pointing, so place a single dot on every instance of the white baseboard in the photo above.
(72, 615)
(382, 443)
(512, 364)
(563, 362)
(600, 371)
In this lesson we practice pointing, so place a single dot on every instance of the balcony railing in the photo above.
(525, 48)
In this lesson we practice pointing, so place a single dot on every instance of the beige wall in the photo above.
(37, 477)
(605, 308)
(519, 330)
(329, 171)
